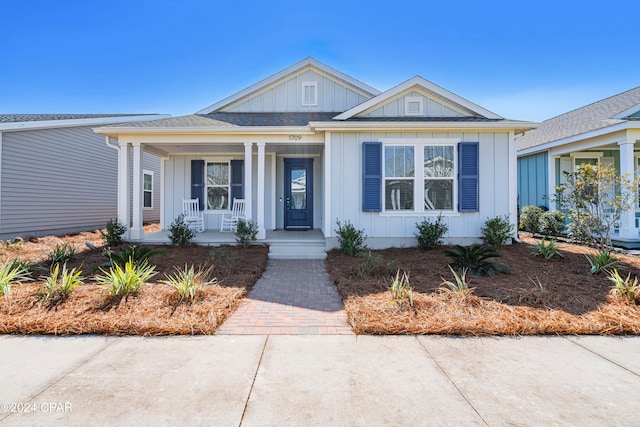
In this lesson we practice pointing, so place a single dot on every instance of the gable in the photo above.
(416, 103)
(635, 115)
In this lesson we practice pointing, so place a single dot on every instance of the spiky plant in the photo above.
(602, 261)
(122, 281)
(11, 273)
(477, 259)
(189, 281)
(59, 284)
(460, 285)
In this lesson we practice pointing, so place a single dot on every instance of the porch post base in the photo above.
(262, 233)
(136, 234)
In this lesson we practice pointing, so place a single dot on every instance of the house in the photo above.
(310, 145)
(605, 132)
(57, 176)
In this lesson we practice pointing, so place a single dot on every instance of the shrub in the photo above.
(602, 261)
(179, 232)
(190, 281)
(246, 232)
(530, 218)
(625, 288)
(496, 231)
(60, 284)
(222, 258)
(114, 232)
(122, 281)
(61, 254)
(551, 223)
(460, 285)
(401, 289)
(11, 273)
(546, 251)
(138, 254)
(350, 238)
(475, 258)
(430, 234)
(26, 266)
(373, 264)
(15, 244)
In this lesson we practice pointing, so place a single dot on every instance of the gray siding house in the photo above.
(57, 176)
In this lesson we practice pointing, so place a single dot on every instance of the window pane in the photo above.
(217, 198)
(438, 161)
(398, 194)
(298, 188)
(147, 199)
(148, 181)
(398, 161)
(438, 194)
(217, 173)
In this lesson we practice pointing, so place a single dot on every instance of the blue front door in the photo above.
(298, 193)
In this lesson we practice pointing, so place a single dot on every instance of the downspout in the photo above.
(115, 147)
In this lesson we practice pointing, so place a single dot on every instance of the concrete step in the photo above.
(297, 250)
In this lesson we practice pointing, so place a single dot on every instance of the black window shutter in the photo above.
(371, 176)
(197, 181)
(468, 173)
(237, 180)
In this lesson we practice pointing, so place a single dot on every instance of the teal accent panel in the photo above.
(533, 172)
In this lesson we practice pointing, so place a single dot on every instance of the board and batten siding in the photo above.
(398, 229)
(57, 181)
(431, 108)
(533, 176)
(286, 96)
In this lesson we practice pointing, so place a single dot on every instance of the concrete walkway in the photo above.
(319, 381)
(292, 297)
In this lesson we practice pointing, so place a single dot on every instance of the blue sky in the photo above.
(522, 60)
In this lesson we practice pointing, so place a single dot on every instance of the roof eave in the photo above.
(48, 124)
(367, 126)
(203, 130)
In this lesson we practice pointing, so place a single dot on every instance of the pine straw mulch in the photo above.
(156, 310)
(567, 299)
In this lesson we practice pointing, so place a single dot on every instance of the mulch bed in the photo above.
(557, 296)
(156, 310)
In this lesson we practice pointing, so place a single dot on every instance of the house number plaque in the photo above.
(295, 137)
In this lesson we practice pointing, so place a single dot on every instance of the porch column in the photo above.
(262, 233)
(628, 229)
(512, 184)
(136, 230)
(248, 169)
(123, 187)
(328, 224)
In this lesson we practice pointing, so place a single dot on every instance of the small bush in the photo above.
(222, 258)
(114, 232)
(122, 281)
(551, 223)
(179, 232)
(546, 251)
(625, 288)
(350, 238)
(59, 285)
(477, 259)
(138, 254)
(11, 273)
(246, 232)
(602, 261)
(15, 244)
(460, 285)
(497, 231)
(430, 234)
(61, 254)
(401, 289)
(373, 264)
(530, 218)
(190, 281)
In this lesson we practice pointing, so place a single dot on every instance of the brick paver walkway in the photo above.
(293, 297)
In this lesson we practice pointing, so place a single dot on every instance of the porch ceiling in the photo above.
(285, 149)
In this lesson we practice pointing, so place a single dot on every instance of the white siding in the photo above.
(432, 107)
(150, 162)
(286, 96)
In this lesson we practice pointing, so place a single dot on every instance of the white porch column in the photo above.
(628, 229)
(123, 187)
(136, 229)
(328, 223)
(551, 180)
(248, 169)
(262, 233)
(512, 184)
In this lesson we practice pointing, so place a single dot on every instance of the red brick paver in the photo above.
(293, 297)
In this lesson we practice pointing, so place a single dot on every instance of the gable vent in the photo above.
(414, 106)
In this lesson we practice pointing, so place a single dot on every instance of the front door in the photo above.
(298, 193)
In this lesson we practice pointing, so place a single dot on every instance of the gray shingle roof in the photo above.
(585, 119)
(273, 119)
(16, 118)
(181, 121)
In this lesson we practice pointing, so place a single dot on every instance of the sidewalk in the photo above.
(319, 380)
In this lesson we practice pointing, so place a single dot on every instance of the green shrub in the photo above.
(61, 254)
(15, 244)
(602, 261)
(246, 232)
(530, 218)
(350, 238)
(11, 273)
(546, 251)
(625, 288)
(551, 223)
(460, 285)
(373, 264)
(430, 234)
(114, 232)
(476, 258)
(401, 289)
(59, 285)
(190, 281)
(138, 254)
(497, 231)
(122, 281)
(222, 258)
(179, 232)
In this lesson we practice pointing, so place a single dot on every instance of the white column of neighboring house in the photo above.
(248, 168)
(262, 233)
(136, 229)
(123, 186)
(628, 229)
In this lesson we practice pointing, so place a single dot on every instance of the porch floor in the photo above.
(217, 238)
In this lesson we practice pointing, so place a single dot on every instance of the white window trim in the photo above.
(147, 172)
(418, 145)
(410, 99)
(315, 92)
(598, 155)
(208, 160)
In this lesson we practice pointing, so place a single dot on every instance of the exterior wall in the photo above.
(432, 108)
(397, 229)
(287, 96)
(151, 163)
(533, 173)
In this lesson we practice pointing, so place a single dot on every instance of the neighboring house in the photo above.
(605, 132)
(311, 145)
(57, 176)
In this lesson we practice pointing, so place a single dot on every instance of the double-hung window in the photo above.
(399, 174)
(217, 185)
(439, 168)
(147, 189)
